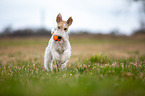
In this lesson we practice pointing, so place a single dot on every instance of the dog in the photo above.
(58, 51)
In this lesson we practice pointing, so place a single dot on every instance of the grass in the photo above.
(22, 72)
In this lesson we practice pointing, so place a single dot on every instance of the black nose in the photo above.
(59, 37)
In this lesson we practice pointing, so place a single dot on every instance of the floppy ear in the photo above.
(69, 21)
(58, 18)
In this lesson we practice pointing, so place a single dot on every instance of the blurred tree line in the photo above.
(24, 32)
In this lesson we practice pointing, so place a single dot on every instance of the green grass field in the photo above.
(103, 67)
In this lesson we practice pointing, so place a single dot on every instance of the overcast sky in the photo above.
(91, 15)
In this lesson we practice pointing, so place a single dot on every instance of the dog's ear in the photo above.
(69, 21)
(58, 18)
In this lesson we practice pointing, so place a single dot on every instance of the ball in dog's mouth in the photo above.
(56, 38)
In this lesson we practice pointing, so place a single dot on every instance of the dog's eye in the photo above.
(65, 29)
(58, 27)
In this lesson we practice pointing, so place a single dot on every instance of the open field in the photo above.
(98, 66)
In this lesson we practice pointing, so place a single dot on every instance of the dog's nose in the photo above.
(59, 37)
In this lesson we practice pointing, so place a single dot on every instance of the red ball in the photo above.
(56, 38)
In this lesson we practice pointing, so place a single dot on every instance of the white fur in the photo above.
(58, 51)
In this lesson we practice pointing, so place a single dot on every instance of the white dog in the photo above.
(58, 50)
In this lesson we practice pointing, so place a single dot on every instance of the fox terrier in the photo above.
(58, 50)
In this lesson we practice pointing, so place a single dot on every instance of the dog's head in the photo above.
(62, 26)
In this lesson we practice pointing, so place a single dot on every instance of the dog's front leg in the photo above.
(55, 54)
(48, 59)
(65, 56)
(63, 66)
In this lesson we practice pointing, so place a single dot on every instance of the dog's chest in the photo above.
(60, 46)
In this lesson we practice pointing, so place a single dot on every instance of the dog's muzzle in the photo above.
(56, 38)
